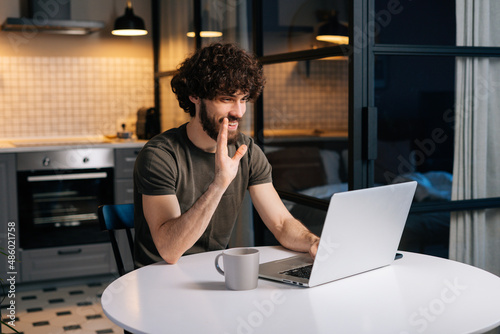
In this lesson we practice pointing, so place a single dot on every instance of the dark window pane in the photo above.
(415, 97)
(427, 233)
(424, 22)
(415, 101)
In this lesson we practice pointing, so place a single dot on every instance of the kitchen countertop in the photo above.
(17, 145)
(14, 145)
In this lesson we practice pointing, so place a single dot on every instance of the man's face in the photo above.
(212, 112)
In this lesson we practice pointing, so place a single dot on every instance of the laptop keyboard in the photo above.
(303, 272)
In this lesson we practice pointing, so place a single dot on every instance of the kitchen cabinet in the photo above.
(66, 262)
(62, 261)
(124, 169)
(8, 208)
(124, 192)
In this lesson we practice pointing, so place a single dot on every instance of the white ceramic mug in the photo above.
(241, 268)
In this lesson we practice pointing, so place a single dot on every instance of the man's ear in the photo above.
(194, 99)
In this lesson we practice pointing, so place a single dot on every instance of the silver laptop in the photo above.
(362, 231)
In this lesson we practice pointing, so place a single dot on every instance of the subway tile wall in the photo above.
(72, 96)
(309, 95)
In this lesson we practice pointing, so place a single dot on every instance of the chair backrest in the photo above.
(117, 217)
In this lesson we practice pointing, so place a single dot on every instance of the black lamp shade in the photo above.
(333, 31)
(129, 24)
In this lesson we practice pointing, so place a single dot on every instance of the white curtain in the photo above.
(475, 235)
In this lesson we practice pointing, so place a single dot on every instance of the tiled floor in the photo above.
(70, 310)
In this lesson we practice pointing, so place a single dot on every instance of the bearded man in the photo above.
(189, 182)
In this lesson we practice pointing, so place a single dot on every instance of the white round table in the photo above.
(416, 294)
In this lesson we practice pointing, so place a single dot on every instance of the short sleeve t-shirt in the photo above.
(170, 164)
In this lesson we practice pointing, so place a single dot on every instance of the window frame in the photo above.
(362, 111)
(374, 50)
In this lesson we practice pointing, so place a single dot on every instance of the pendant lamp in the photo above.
(211, 28)
(129, 24)
(333, 31)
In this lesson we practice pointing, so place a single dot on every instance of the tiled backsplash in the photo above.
(72, 96)
(82, 96)
(310, 95)
(298, 96)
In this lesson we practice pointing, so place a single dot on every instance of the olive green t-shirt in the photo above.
(171, 164)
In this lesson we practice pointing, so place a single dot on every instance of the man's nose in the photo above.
(239, 109)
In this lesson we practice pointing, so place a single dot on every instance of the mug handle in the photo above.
(217, 264)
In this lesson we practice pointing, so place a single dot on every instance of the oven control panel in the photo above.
(66, 159)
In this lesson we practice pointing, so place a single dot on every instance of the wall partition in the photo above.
(301, 120)
(383, 103)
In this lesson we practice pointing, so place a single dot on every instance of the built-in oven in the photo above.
(58, 195)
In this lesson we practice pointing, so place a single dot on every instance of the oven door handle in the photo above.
(61, 177)
(69, 252)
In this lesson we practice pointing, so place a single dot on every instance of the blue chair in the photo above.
(117, 217)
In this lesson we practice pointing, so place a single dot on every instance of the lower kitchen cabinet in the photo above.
(61, 261)
(66, 262)
(124, 192)
(124, 169)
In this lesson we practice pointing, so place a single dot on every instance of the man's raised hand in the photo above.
(226, 167)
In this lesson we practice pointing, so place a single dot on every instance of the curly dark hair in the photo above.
(215, 70)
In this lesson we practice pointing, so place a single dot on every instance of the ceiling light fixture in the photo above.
(333, 31)
(213, 27)
(129, 24)
(205, 33)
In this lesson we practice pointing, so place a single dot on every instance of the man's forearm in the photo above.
(295, 236)
(290, 232)
(181, 233)
(175, 235)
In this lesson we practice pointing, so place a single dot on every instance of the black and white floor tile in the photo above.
(62, 310)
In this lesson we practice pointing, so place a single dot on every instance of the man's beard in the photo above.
(211, 126)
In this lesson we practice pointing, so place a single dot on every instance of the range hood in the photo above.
(69, 27)
(50, 17)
